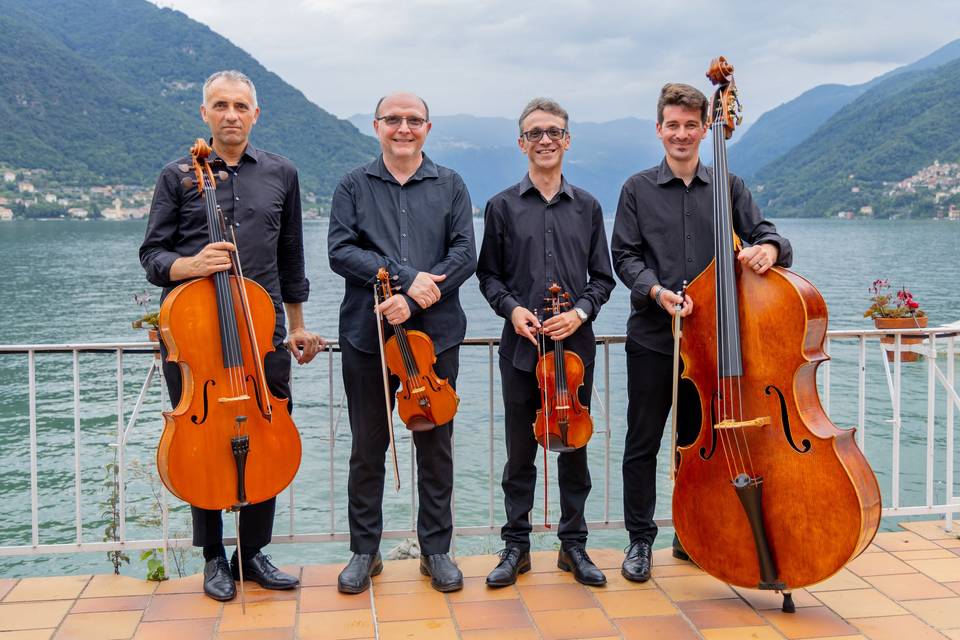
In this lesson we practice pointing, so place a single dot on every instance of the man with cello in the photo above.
(536, 233)
(269, 238)
(663, 236)
(403, 213)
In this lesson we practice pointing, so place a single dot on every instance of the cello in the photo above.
(771, 494)
(229, 441)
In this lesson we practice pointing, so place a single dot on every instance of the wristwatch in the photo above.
(581, 314)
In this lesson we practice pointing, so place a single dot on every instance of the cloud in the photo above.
(603, 60)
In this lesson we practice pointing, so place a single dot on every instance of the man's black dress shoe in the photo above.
(636, 566)
(355, 577)
(261, 570)
(574, 558)
(444, 575)
(678, 551)
(513, 561)
(217, 581)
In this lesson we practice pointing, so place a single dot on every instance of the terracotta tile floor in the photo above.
(906, 586)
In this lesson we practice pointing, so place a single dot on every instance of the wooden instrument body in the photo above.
(821, 500)
(423, 396)
(194, 457)
(564, 424)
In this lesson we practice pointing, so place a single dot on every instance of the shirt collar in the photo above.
(665, 173)
(251, 152)
(378, 168)
(526, 185)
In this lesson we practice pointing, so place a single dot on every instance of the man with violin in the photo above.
(662, 237)
(260, 200)
(541, 231)
(412, 217)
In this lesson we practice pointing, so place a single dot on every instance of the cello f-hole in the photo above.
(206, 406)
(785, 419)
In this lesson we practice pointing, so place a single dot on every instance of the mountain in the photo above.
(110, 89)
(484, 152)
(893, 130)
(779, 130)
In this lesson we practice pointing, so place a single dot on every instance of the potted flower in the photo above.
(898, 311)
(149, 320)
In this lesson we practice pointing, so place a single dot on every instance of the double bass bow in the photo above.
(229, 441)
(771, 495)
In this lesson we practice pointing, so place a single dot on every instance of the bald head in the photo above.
(403, 97)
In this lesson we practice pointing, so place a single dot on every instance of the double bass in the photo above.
(771, 495)
(229, 441)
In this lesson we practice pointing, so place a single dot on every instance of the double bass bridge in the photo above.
(738, 424)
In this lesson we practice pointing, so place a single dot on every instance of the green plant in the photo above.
(111, 511)
(884, 305)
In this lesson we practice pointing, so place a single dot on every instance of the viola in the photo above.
(229, 441)
(771, 495)
(562, 423)
(424, 401)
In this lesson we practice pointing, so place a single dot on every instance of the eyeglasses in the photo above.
(414, 122)
(536, 135)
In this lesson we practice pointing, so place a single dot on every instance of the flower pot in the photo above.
(153, 335)
(905, 339)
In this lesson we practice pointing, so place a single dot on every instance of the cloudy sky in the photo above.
(602, 59)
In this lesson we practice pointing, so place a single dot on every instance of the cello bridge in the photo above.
(234, 399)
(737, 424)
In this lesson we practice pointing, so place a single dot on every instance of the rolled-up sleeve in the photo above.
(294, 285)
(156, 253)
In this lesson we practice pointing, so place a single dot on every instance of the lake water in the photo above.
(71, 281)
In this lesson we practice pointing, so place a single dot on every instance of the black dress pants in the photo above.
(649, 391)
(521, 400)
(363, 383)
(256, 520)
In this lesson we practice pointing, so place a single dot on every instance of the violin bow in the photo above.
(677, 333)
(386, 387)
(541, 351)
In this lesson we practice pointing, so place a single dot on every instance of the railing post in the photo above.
(34, 497)
(78, 492)
(490, 425)
(862, 394)
(826, 378)
(121, 461)
(931, 413)
(950, 409)
(608, 435)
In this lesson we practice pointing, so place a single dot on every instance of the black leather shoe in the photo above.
(217, 581)
(444, 575)
(678, 551)
(355, 577)
(261, 570)
(636, 566)
(513, 561)
(574, 558)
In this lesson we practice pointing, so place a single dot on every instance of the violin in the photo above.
(562, 423)
(771, 494)
(229, 441)
(424, 400)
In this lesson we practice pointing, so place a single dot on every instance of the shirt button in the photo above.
(549, 255)
(689, 259)
(688, 236)
(238, 197)
(549, 230)
(403, 235)
(687, 213)
(403, 210)
(404, 260)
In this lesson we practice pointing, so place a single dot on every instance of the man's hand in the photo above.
(304, 345)
(394, 309)
(669, 301)
(423, 290)
(759, 257)
(562, 325)
(212, 258)
(525, 324)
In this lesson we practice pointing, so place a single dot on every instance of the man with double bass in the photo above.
(412, 217)
(663, 235)
(260, 200)
(542, 231)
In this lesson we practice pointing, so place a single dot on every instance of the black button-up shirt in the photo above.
(260, 198)
(528, 244)
(663, 234)
(425, 224)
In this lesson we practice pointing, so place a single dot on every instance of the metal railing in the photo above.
(853, 348)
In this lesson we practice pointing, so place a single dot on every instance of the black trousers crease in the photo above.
(363, 384)
(521, 400)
